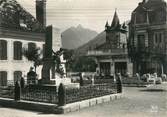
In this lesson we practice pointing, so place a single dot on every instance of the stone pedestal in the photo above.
(52, 45)
(46, 71)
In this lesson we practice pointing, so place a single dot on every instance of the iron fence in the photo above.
(49, 94)
(12, 82)
(40, 93)
(88, 92)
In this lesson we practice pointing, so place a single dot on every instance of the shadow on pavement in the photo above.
(46, 113)
(30, 110)
(153, 90)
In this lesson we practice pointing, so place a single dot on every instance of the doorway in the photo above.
(121, 67)
(105, 68)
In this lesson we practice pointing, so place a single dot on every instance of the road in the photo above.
(138, 102)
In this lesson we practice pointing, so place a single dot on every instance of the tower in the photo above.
(107, 26)
(41, 12)
(115, 22)
(116, 33)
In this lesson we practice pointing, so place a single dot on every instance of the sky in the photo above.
(91, 14)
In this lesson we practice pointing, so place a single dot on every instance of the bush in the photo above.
(61, 95)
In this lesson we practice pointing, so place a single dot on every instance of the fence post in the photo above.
(61, 95)
(22, 83)
(81, 79)
(17, 91)
(119, 83)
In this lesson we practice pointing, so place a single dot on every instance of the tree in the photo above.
(61, 95)
(57, 61)
(83, 64)
(69, 57)
(34, 55)
(78, 63)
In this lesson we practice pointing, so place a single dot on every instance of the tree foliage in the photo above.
(84, 64)
(57, 61)
(76, 63)
(34, 55)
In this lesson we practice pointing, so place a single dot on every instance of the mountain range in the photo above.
(98, 40)
(75, 37)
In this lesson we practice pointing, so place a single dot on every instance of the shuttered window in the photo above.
(3, 50)
(17, 50)
(3, 78)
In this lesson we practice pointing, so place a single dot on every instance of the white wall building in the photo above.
(12, 64)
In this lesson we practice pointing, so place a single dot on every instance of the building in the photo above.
(148, 33)
(18, 30)
(112, 55)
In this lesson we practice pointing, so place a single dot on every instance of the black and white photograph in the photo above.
(83, 58)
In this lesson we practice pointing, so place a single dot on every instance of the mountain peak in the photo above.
(74, 37)
(79, 26)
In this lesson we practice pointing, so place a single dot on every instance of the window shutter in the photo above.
(3, 78)
(17, 50)
(3, 50)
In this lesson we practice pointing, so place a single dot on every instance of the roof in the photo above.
(150, 12)
(14, 16)
(151, 5)
(115, 21)
(115, 25)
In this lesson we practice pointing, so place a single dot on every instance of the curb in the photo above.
(27, 105)
(87, 103)
(54, 108)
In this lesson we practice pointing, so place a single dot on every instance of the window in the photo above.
(141, 40)
(17, 50)
(17, 76)
(3, 78)
(158, 38)
(3, 50)
(141, 17)
(31, 46)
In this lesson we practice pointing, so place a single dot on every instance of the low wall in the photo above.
(27, 105)
(53, 108)
(87, 103)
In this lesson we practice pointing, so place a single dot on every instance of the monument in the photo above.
(52, 49)
(53, 70)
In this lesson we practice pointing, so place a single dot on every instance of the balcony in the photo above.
(119, 51)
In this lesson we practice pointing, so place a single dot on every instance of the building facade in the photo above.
(112, 55)
(18, 30)
(148, 32)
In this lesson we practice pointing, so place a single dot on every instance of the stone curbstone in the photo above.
(45, 107)
(92, 102)
(84, 104)
(74, 107)
(41, 107)
(99, 100)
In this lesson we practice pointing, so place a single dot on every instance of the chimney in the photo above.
(144, 1)
(41, 12)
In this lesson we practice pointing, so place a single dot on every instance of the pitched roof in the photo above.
(115, 21)
(14, 16)
(150, 5)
